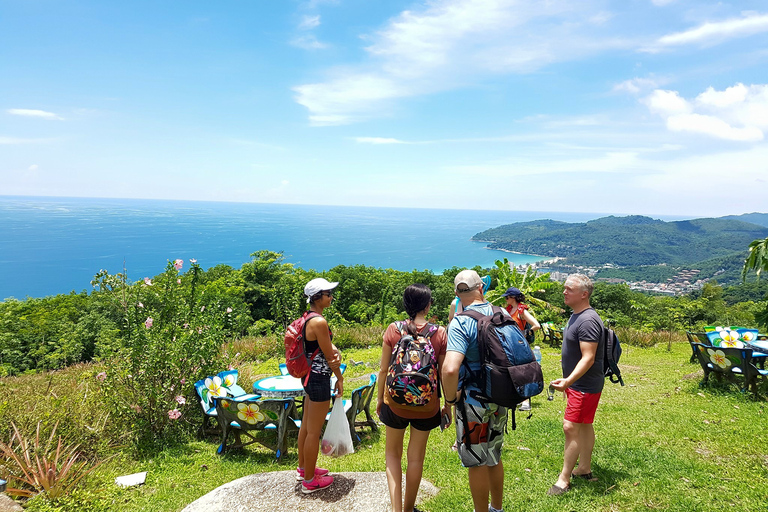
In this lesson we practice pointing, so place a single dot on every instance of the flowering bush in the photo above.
(172, 337)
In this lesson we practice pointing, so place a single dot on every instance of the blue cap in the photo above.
(512, 292)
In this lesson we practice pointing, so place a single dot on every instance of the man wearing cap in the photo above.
(582, 382)
(485, 423)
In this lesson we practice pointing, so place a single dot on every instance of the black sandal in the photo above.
(556, 490)
(586, 476)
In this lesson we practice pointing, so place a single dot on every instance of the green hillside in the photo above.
(630, 241)
(761, 219)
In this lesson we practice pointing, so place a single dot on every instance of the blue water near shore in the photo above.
(56, 245)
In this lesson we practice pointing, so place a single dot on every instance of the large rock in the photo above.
(8, 505)
(267, 492)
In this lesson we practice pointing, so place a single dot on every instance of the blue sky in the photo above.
(626, 106)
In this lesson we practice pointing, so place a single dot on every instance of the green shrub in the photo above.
(173, 337)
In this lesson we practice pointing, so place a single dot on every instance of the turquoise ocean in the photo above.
(56, 245)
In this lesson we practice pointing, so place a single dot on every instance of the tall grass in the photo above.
(638, 338)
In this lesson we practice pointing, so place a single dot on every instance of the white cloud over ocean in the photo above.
(42, 114)
(738, 113)
(449, 44)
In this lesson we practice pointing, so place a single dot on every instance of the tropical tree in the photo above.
(529, 282)
(757, 259)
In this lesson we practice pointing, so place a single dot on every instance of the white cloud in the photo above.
(16, 140)
(661, 2)
(712, 33)
(309, 22)
(32, 167)
(450, 42)
(308, 42)
(34, 113)
(710, 125)
(739, 113)
(378, 140)
(637, 85)
(667, 103)
(347, 99)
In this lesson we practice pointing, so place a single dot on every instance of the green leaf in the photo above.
(270, 414)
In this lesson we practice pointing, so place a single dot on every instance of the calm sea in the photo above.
(56, 245)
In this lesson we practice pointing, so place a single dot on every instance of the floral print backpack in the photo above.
(413, 378)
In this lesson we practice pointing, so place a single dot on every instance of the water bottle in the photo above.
(537, 353)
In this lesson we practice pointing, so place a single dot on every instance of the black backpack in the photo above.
(509, 373)
(611, 356)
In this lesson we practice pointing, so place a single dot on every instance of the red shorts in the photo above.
(581, 406)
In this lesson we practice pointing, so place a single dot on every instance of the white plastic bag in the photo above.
(337, 440)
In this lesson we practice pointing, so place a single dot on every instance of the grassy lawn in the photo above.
(662, 443)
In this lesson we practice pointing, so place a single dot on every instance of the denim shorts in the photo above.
(392, 420)
(318, 387)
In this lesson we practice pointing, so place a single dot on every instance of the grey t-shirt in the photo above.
(584, 326)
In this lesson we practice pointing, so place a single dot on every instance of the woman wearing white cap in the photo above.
(317, 342)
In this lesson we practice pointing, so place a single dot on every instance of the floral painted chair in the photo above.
(221, 385)
(243, 416)
(731, 364)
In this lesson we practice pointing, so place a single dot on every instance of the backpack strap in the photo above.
(308, 315)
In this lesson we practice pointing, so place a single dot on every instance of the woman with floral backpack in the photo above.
(408, 393)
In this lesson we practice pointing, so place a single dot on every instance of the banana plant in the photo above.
(528, 281)
(757, 259)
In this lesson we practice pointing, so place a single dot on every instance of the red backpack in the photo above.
(295, 356)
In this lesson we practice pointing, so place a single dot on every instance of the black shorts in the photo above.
(392, 420)
(318, 387)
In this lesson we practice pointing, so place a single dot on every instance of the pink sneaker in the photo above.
(317, 483)
(318, 472)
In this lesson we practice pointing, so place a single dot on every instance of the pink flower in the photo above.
(140, 305)
(101, 376)
(174, 414)
(177, 264)
(199, 330)
(136, 408)
(193, 261)
(186, 325)
(178, 281)
(147, 281)
(148, 322)
(229, 310)
(180, 400)
(183, 381)
(230, 367)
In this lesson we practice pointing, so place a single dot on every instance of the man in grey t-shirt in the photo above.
(582, 382)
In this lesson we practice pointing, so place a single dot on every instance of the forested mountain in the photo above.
(629, 241)
(761, 219)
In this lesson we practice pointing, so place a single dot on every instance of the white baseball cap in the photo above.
(318, 285)
(469, 278)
